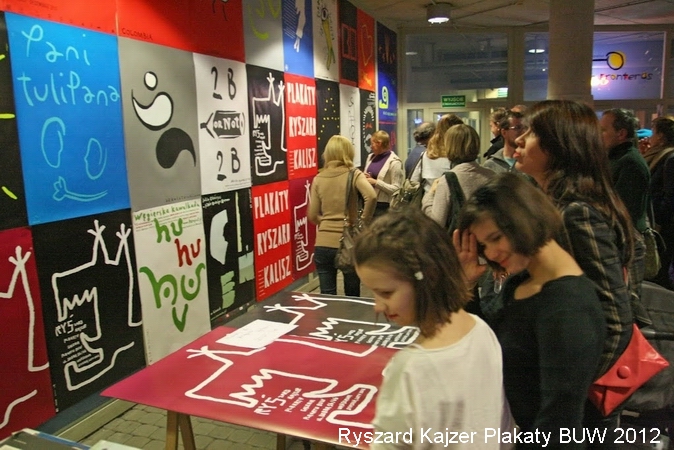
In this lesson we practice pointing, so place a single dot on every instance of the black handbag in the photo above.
(344, 259)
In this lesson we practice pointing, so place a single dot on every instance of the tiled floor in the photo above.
(144, 427)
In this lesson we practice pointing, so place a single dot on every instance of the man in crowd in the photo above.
(630, 173)
(511, 128)
(495, 119)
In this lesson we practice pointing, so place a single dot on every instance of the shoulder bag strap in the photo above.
(349, 188)
(456, 197)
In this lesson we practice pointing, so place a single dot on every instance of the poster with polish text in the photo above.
(171, 261)
(298, 41)
(68, 111)
(224, 145)
(26, 398)
(326, 44)
(300, 95)
(267, 123)
(160, 124)
(272, 236)
(228, 226)
(12, 197)
(303, 232)
(90, 302)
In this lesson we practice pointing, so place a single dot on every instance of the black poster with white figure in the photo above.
(228, 225)
(267, 119)
(91, 304)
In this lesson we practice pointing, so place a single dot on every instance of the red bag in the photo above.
(638, 364)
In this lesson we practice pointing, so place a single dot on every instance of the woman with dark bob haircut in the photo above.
(562, 150)
(552, 327)
(452, 373)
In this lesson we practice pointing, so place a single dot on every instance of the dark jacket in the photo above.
(631, 180)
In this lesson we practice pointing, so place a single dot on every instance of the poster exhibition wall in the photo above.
(155, 164)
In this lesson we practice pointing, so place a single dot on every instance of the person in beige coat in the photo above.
(326, 209)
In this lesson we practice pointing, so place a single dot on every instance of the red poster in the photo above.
(296, 386)
(366, 56)
(272, 236)
(210, 27)
(26, 398)
(99, 15)
(301, 125)
(303, 231)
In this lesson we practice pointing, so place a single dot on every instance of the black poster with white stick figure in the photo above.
(267, 120)
(90, 301)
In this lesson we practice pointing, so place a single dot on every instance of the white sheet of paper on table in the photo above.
(256, 334)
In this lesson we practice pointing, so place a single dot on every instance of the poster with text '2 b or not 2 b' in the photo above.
(25, 388)
(171, 264)
(272, 236)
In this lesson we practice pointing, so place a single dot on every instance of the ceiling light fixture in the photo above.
(438, 12)
(536, 46)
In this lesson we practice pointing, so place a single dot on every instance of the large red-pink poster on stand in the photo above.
(272, 236)
(295, 385)
(26, 398)
(366, 55)
(79, 13)
(301, 125)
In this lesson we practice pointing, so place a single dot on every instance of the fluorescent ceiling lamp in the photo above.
(536, 46)
(438, 12)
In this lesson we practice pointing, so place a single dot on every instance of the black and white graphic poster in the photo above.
(267, 121)
(160, 124)
(90, 303)
(228, 225)
(224, 145)
(327, 113)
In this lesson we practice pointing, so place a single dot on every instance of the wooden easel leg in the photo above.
(280, 441)
(176, 424)
(172, 430)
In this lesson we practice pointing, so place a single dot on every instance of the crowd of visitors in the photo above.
(522, 271)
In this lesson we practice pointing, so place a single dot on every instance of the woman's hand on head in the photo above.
(465, 245)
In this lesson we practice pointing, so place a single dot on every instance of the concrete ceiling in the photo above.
(514, 13)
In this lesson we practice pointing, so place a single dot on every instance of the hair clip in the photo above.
(419, 275)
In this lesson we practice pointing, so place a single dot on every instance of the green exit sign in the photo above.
(453, 101)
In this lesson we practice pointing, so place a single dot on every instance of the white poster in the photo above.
(222, 104)
(349, 125)
(326, 31)
(171, 264)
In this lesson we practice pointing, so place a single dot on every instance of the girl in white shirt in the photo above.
(450, 379)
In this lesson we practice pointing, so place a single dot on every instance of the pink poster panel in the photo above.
(99, 16)
(301, 125)
(297, 386)
(26, 398)
(272, 236)
(366, 56)
(303, 231)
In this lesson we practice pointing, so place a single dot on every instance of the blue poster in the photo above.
(69, 117)
(298, 41)
(387, 81)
